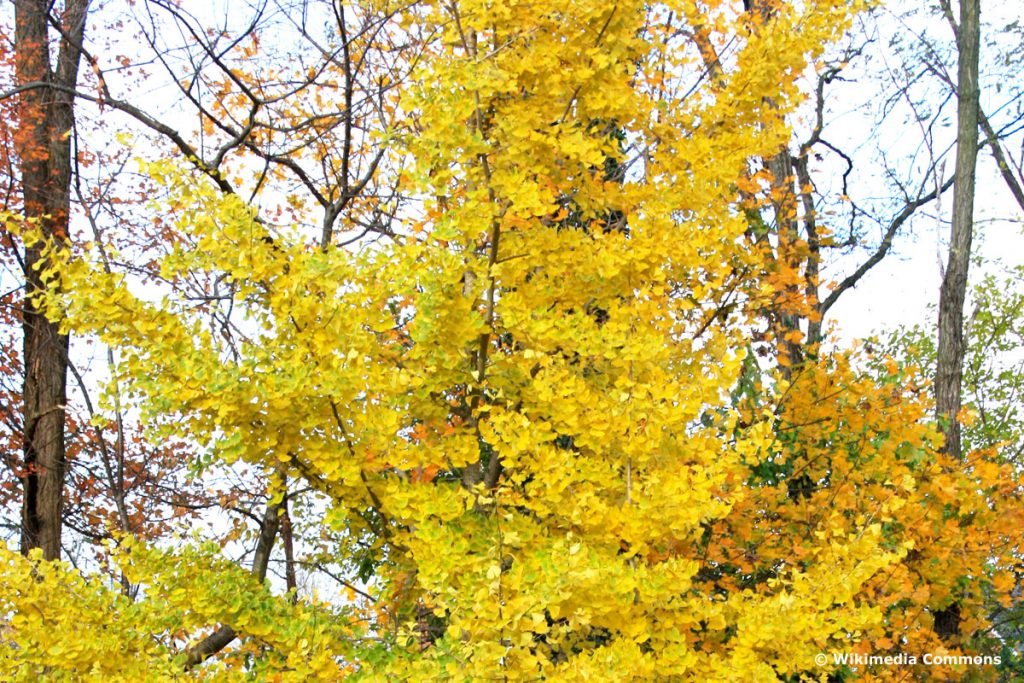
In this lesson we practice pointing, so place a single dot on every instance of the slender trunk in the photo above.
(949, 370)
(288, 541)
(954, 283)
(813, 264)
(784, 313)
(43, 145)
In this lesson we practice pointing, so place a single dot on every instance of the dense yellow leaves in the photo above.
(62, 626)
(538, 400)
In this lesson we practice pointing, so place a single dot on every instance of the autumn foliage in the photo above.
(549, 419)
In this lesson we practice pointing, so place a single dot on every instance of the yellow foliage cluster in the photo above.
(543, 394)
(63, 626)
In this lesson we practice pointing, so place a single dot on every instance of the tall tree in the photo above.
(43, 145)
(949, 371)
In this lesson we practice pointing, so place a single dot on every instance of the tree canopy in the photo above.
(563, 412)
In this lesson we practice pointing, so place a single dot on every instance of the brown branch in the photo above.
(222, 637)
(992, 140)
(191, 154)
(883, 248)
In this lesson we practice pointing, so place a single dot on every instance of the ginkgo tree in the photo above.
(534, 413)
(254, 117)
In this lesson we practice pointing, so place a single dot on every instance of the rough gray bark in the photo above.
(43, 144)
(954, 284)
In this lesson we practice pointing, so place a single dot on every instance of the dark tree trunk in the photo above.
(954, 284)
(43, 145)
(949, 371)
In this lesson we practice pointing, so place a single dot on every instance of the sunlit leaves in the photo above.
(535, 415)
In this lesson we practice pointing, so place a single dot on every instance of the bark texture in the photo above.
(43, 145)
(954, 283)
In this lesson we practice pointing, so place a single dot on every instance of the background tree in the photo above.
(42, 143)
(950, 356)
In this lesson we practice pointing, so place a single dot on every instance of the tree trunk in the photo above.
(43, 145)
(954, 283)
